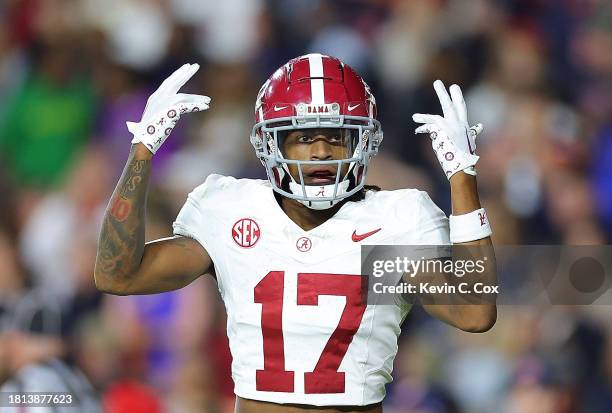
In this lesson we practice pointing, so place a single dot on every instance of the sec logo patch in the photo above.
(246, 232)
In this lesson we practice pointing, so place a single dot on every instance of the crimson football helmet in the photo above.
(316, 92)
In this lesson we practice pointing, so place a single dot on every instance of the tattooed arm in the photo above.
(125, 264)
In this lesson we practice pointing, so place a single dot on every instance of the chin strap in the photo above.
(322, 191)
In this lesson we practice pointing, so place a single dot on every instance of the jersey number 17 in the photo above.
(325, 378)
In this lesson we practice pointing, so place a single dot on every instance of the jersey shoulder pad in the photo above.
(214, 186)
(390, 197)
(220, 191)
(207, 207)
(399, 204)
(413, 215)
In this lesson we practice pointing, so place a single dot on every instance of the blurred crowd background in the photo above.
(537, 73)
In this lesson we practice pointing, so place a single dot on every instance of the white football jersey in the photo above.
(298, 328)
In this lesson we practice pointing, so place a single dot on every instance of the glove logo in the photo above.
(449, 156)
(171, 113)
(168, 130)
(151, 129)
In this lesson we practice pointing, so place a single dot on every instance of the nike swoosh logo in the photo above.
(361, 237)
(350, 108)
(277, 108)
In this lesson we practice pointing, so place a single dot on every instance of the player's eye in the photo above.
(340, 138)
(304, 139)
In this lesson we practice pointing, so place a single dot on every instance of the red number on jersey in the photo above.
(269, 293)
(325, 378)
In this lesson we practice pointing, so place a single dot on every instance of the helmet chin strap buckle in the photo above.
(312, 192)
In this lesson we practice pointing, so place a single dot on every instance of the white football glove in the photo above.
(164, 108)
(452, 139)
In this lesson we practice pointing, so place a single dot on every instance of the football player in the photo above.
(285, 251)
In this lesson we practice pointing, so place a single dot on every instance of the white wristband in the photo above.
(469, 227)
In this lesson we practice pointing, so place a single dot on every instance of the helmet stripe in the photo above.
(317, 89)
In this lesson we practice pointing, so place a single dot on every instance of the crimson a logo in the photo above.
(303, 244)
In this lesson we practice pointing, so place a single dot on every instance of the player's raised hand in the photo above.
(452, 139)
(164, 108)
